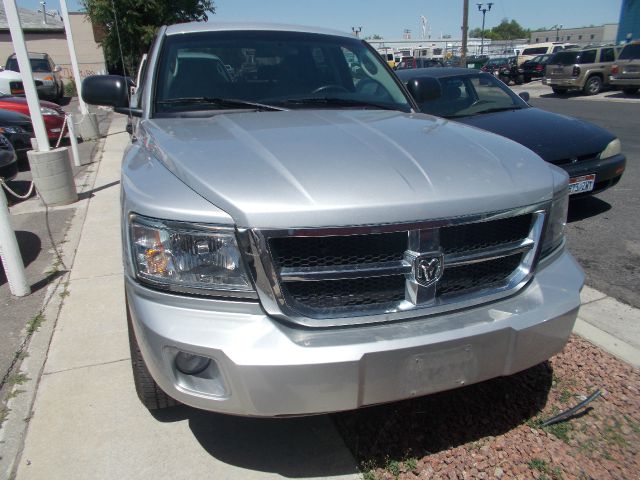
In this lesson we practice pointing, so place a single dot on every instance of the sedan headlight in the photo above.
(187, 256)
(48, 111)
(554, 232)
(15, 129)
(614, 148)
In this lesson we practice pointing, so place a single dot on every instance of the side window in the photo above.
(588, 56)
(606, 55)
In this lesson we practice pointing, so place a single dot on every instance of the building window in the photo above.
(579, 37)
(592, 36)
(568, 37)
(547, 39)
(537, 40)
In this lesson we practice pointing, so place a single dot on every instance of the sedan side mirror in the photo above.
(525, 96)
(423, 89)
(57, 68)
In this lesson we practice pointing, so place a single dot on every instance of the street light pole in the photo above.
(484, 10)
(356, 31)
(558, 28)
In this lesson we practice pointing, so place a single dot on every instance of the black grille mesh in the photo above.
(296, 252)
(474, 276)
(348, 293)
(474, 236)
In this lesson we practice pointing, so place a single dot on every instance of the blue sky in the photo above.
(389, 19)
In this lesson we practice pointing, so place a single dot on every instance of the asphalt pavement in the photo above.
(77, 415)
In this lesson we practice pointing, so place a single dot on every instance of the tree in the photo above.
(507, 30)
(128, 26)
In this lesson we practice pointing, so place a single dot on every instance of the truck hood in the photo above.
(345, 167)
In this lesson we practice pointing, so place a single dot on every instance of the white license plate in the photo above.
(582, 184)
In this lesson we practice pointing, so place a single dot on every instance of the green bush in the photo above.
(70, 88)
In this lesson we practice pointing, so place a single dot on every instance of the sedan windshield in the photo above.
(467, 95)
(261, 69)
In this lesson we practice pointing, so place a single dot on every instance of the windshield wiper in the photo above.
(497, 109)
(337, 102)
(219, 102)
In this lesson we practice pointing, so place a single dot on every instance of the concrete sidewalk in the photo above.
(86, 420)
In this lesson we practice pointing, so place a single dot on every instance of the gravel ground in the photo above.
(492, 429)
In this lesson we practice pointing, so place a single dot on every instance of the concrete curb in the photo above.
(609, 324)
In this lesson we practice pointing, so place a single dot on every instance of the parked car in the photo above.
(8, 159)
(534, 49)
(419, 63)
(535, 67)
(18, 130)
(45, 71)
(11, 83)
(625, 73)
(52, 114)
(303, 241)
(505, 69)
(586, 69)
(589, 154)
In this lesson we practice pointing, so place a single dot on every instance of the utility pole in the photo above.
(465, 29)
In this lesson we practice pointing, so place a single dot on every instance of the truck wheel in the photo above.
(559, 91)
(630, 90)
(148, 390)
(593, 85)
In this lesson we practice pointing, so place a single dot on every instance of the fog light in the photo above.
(190, 364)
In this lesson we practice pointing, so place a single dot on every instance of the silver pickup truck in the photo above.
(297, 239)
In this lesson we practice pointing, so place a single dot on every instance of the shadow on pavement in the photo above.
(300, 447)
(622, 95)
(581, 208)
(90, 193)
(426, 425)
(30, 246)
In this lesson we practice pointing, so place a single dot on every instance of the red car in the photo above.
(52, 114)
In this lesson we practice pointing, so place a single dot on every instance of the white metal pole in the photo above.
(10, 253)
(72, 53)
(73, 138)
(15, 27)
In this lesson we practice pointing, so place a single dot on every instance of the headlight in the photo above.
(554, 232)
(48, 111)
(614, 148)
(12, 130)
(187, 256)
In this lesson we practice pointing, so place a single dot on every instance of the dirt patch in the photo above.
(493, 429)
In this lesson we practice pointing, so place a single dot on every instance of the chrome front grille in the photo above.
(341, 276)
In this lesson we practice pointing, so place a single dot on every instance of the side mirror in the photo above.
(57, 68)
(525, 96)
(109, 91)
(424, 89)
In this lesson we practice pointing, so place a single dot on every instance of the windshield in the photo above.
(38, 65)
(286, 69)
(497, 61)
(463, 96)
(630, 52)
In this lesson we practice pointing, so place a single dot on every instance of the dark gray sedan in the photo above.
(591, 155)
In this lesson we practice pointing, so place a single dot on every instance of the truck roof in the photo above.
(231, 26)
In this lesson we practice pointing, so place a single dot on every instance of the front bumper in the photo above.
(265, 368)
(608, 171)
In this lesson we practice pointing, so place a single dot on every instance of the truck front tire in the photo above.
(149, 393)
